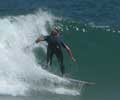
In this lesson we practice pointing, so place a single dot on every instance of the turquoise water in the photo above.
(90, 28)
(97, 52)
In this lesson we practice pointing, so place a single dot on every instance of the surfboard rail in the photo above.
(81, 82)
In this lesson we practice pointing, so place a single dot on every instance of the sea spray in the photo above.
(19, 71)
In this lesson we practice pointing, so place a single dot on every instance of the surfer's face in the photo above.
(54, 33)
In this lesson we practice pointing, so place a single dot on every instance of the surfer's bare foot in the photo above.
(46, 67)
(61, 74)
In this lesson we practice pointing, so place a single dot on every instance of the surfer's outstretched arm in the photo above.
(70, 52)
(39, 39)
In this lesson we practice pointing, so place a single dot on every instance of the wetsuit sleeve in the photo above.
(46, 38)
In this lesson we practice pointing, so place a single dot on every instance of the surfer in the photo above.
(55, 44)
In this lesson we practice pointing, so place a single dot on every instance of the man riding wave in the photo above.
(55, 44)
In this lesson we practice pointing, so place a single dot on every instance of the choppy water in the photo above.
(90, 28)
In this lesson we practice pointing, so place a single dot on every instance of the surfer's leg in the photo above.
(59, 56)
(49, 57)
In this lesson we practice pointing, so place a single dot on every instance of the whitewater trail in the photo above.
(19, 72)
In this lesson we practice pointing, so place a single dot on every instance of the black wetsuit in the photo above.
(55, 45)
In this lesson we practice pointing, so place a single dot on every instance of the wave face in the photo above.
(19, 72)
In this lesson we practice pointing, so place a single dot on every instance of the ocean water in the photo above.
(90, 28)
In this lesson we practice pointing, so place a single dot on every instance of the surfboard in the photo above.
(74, 81)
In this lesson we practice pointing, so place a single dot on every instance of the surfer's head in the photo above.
(55, 32)
(57, 29)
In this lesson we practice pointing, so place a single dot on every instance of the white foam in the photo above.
(65, 91)
(19, 71)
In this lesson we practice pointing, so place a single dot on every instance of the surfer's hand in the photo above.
(73, 59)
(37, 41)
